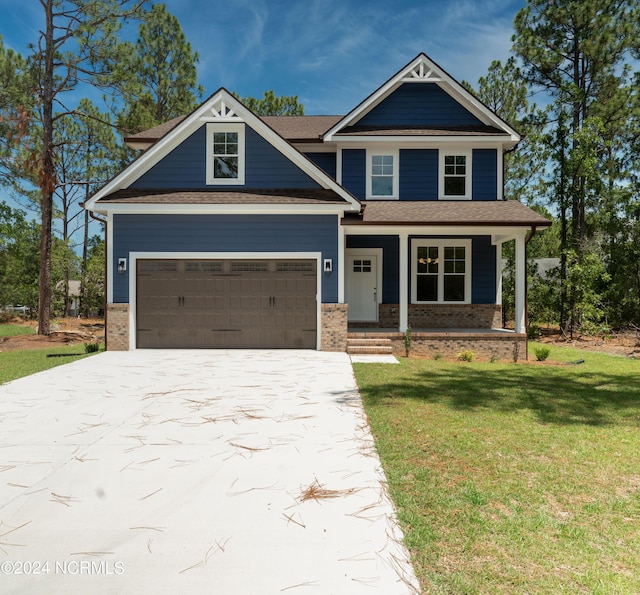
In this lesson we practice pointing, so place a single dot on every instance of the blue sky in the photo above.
(331, 53)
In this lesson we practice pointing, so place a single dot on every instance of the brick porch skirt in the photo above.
(487, 346)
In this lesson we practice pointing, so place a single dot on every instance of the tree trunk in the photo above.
(46, 179)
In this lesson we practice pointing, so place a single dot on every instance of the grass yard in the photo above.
(16, 364)
(513, 478)
(15, 330)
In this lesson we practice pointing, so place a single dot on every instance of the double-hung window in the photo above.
(455, 174)
(225, 154)
(382, 174)
(441, 271)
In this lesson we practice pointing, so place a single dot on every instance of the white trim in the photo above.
(378, 152)
(499, 274)
(431, 142)
(500, 180)
(521, 291)
(468, 184)
(379, 254)
(441, 244)
(436, 230)
(135, 256)
(339, 165)
(342, 244)
(222, 209)
(422, 63)
(211, 129)
(403, 258)
(110, 272)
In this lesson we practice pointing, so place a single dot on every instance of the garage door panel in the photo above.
(227, 304)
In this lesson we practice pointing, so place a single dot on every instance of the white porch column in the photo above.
(404, 281)
(342, 273)
(499, 274)
(521, 277)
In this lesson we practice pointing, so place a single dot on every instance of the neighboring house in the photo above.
(233, 230)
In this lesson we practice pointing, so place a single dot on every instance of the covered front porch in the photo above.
(434, 270)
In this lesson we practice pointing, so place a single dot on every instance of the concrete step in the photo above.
(370, 349)
(364, 341)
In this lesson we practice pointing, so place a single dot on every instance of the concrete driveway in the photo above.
(230, 472)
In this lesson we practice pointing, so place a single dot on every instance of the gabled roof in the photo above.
(304, 129)
(222, 107)
(422, 70)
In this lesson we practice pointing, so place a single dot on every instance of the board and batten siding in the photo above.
(484, 165)
(185, 166)
(419, 105)
(225, 233)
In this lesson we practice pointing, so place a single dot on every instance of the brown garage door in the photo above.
(226, 304)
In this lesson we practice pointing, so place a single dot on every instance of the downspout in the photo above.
(104, 222)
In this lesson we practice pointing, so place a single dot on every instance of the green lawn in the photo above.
(14, 330)
(513, 478)
(16, 364)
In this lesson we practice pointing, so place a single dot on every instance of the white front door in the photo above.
(362, 287)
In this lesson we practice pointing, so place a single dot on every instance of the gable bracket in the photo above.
(420, 73)
(219, 110)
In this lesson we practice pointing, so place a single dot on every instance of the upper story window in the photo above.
(225, 153)
(382, 174)
(455, 175)
(441, 271)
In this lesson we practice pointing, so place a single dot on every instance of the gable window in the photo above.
(382, 174)
(225, 154)
(455, 174)
(441, 271)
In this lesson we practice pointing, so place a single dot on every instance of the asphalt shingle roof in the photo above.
(243, 196)
(447, 212)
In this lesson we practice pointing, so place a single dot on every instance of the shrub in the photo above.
(407, 340)
(542, 353)
(92, 347)
(468, 355)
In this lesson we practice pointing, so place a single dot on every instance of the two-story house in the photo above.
(238, 231)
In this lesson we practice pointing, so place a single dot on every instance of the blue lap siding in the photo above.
(419, 173)
(325, 161)
(226, 233)
(419, 105)
(484, 184)
(185, 166)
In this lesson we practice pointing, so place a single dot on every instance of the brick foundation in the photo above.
(486, 346)
(334, 327)
(438, 316)
(117, 332)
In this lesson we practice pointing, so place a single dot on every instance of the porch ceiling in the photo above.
(447, 212)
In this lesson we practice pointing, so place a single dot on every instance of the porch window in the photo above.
(441, 271)
(455, 175)
(382, 175)
(225, 154)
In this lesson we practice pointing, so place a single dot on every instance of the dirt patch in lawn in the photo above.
(64, 331)
(626, 342)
